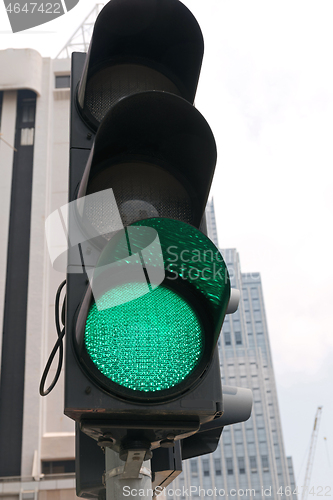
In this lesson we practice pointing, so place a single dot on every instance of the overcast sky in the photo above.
(266, 89)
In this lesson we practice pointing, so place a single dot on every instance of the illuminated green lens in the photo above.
(148, 344)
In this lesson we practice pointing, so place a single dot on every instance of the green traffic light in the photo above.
(149, 344)
(151, 336)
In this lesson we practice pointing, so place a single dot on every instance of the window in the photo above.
(26, 495)
(242, 369)
(238, 435)
(253, 367)
(28, 110)
(261, 432)
(258, 408)
(27, 136)
(226, 436)
(194, 468)
(230, 468)
(257, 316)
(205, 467)
(238, 338)
(231, 370)
(236, 325)
(250, 435)
(218, 469)
(226, 326)
(58, 467)
(235, 316)
(227, 338)
(26, 119)
(241, 465)
(264, 461)
(255, 304)
(62, 82)
(256, 394)
(253, 464)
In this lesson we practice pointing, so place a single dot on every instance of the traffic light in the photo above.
(147, 291)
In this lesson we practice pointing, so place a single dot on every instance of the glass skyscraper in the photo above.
(250, 460)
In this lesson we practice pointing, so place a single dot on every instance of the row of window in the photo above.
(26, 120)
(231, 370)
(237, 331)
(28, 110)
(238, 338)
(229, 466)
(254, 293)
(62, 81)
(58, 466)
(254, 303)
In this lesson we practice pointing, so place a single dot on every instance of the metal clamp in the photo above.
(120, 471)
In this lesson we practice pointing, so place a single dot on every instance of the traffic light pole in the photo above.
(119, 484)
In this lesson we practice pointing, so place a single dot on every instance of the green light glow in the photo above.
(148, 344)
(188, 253)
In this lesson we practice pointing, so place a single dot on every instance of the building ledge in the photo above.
(16, 484)
(21, 69)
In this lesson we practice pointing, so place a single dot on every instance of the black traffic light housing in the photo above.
(134, 130)
(166, 463)
(140, 45)
(157, 148)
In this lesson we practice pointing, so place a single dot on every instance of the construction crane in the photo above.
(313, 443)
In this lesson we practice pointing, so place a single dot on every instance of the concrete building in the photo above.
(250, 455)
(35, 437)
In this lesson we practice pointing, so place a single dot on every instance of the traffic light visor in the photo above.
(156, 148)
(140, 45)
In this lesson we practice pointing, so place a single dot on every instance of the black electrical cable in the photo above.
(57, 345)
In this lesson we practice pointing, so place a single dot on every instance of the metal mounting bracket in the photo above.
(133, 467)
